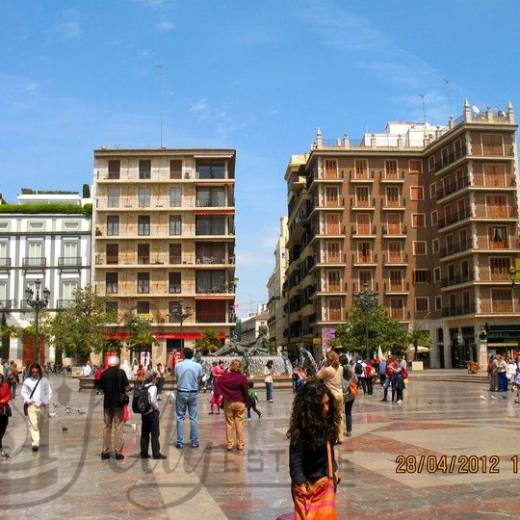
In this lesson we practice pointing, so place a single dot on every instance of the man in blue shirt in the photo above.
(188, 375)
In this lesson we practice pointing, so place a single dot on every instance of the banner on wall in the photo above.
(327, 335)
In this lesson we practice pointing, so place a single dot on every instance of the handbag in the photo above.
(6, 411)
(25, 405)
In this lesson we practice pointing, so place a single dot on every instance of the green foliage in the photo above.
(209, 342)
(418, 337)
(34, 209)
(238, 330)
(77, 330)
(5, 332)
(139, 332)
(383, 331)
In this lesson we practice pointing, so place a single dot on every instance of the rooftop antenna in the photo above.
(160, 67)
(423, 108)
(448, 92)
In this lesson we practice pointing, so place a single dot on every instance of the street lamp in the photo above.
(182, 312)
(38, 300)
(366, 300)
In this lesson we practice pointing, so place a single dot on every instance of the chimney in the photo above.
(467, 111)
(319, 138)
(346, 141)
(510, 112)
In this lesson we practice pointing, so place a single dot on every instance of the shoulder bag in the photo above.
(26, 406)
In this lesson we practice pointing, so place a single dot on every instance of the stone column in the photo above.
(447, 345)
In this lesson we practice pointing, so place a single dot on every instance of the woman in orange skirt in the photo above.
(312, 433)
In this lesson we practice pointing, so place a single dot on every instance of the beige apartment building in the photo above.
(277, 321)
(426, 216)
(164, 241)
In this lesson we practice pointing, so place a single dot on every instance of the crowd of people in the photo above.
(504, 373)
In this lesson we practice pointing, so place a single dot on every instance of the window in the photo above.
(362, 196)
(434, 216)
(111, 308)
(392, 196)
(211, 170)
(435, 246)
(111, 280)
(396, 281)
(210, 253)
(333, 281)
(445, 157)
(419, 248)
(143, 225)
(421, 276)
(433, 191)
(438, 303)
(333, 252)
(145, 168)
(497, 237)
(175, 251)
(211, 197)
(365, 280)
(393, 221)
(431, 163)
(143, 254)
(176, 169)
(71, 251)
(114, 168)
(492, 144)
(331, 196)
(174, 282)
(363, 224)
(391, 169)
(112, 225)
(395, 253)
(502, 300)
(364, 252)
(211, 282)
(3, 294)
(496, 206)
(175, 196)
(361, 168)
(415, 166)
(417, 220)
(499, 268)
(211, 225)
(422, 304)
(494, 175)
(396, 308)
(210, 312)
(437, 274)
(68, 290)
(112, 252)
(143, 283)
(143, 307)
(331, 169)
(113, 197)
(4, 253)
(332, 224)
(416, 193)
(144, 193)
(35, 249)
(175, 225)
(334, 310)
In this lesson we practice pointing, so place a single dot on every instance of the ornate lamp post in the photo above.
(366, 300)
(38, 300)
(182, 312)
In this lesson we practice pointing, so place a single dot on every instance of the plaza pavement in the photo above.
(438, 418)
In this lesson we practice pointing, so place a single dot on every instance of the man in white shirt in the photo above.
(87, 370)
(36, 393)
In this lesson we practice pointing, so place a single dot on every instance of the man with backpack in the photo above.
(145, 403)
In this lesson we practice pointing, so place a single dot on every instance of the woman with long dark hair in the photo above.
(5, 412)
(312, 432)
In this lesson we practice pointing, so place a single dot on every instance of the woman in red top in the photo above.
(5, 397)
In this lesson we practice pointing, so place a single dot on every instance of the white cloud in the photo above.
(165, 26)
(30, 87)
(67, 30)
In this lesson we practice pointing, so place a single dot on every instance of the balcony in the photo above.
(457, 279)
(174, 288)
(394, 258)
(5, 262)
(393, 204)
(449, 159)
(363, 230)
(36, 262)
(397, 313)
(364, 259)
(494, 181)
(362, 176)
(396, 288)
(453, 187)
(69, 261)
(458, 216)
(394, 176)
(63, 304)
(453, 249)
(496, 212)
(369, 203)
(459, 310)
(395, 230)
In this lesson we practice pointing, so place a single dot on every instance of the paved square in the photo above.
(438, 418)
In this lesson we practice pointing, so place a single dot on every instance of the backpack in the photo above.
(358, 369)
(141, 400)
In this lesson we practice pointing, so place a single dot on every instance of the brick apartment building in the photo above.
(426, 216)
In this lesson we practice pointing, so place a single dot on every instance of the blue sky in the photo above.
(256, 76)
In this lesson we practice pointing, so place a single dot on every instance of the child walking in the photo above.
(252, 399)
(215, 401)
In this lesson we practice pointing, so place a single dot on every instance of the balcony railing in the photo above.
(459, 310)
(395, 258)
(456, 248)
(454, 217)
(456, 279)
(449, 159)
(69, 261)
(494, 181)
(457, 185)
(174, 288)
(497, 212)
(33, 261)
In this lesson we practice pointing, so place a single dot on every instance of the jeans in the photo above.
(269, 391)
(348, 414)
(363, 381)
(382, 379)
(386, 386)
(370, 389)
(252, 405)
(187, 400)
(502, 382)
(150, 428)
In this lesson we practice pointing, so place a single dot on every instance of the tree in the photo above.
(418, 337)
(382, 331)
(209, 342)
(238, 331)
(5, 332)
(78, 330)
(140, 335)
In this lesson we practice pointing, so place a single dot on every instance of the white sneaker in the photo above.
(399, 402)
